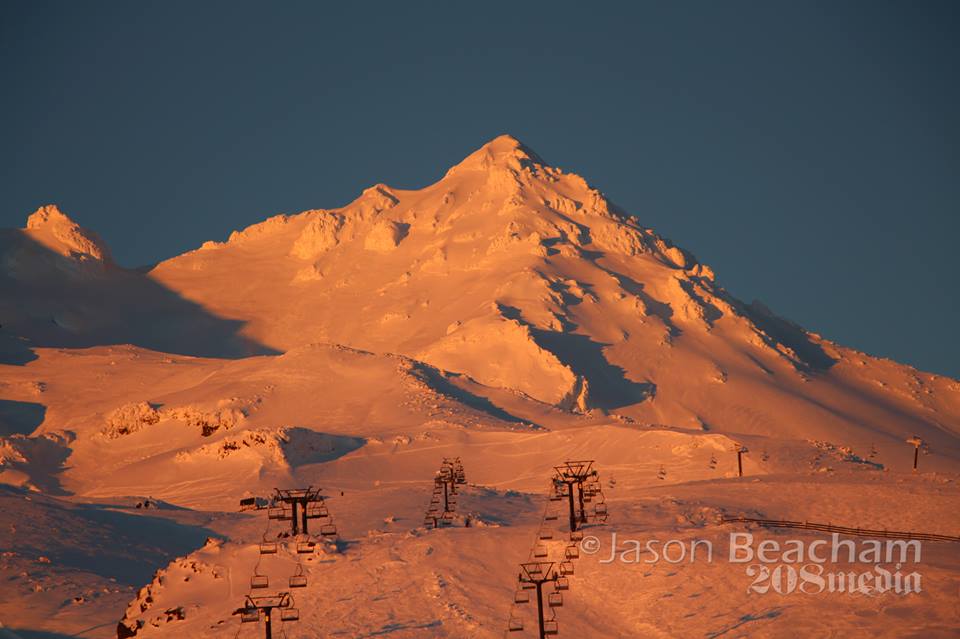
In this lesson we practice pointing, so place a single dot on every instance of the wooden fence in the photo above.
(844, 530)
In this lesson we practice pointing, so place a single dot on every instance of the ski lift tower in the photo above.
(456, 467)
(304, 498)
(741, 449)
(917, 444)
(255, 608)
(444, 485)
(534, 575)
(573, 474)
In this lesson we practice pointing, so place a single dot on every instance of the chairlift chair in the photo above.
(534, 570)
(515, 624)
(562, 583)
(259, 581)
(540, 550)
(305, 547)
(572, 552)
(526, 585)
(555, 599)
(268, 548)
(546, 534)
(317, 511)
(328, 530)
(551, 628)
(248, 503)
(566, 568)
(289, 614)
(249, 615)
(274, 513)
(297, 581)
(576, 535)
(600, 509)
(521, 597)
(551, 517)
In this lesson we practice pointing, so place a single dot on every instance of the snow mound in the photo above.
(129, 418)
(32, 462)
(259, 442)
(502, 352)
(226, 415)
(384, 236)
(145, 615)
(320, 235)
(372, 202)
(268, 226)
(207, 418)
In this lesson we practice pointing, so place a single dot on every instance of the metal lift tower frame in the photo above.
(570, 474)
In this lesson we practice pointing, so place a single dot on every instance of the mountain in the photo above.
(523, 277)
(509, 314)
(60, 288)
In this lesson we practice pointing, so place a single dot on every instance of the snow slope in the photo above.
(508, 314)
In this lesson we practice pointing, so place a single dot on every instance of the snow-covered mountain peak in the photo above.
(52, 228)
(504, 151)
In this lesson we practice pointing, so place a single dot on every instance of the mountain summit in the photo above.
(504, 151)
(50, 227)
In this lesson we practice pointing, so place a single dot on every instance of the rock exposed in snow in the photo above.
(384, 236)
(321, 234)
(129, 418)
